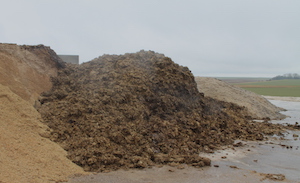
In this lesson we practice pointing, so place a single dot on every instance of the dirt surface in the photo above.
(257, 105)
(26, 70)
(26, 156)
(139, 110)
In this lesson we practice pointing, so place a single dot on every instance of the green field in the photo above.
(233, 80)
(288, 87)
(285, 82)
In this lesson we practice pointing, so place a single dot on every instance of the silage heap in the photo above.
(25, 154)
(138, 110)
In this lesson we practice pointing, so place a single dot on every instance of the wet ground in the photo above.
(269, 161)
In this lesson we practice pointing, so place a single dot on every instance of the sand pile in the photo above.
(258, 106)
(138, 110)
(25, 155)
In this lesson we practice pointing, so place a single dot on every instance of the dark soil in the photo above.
(139, 110)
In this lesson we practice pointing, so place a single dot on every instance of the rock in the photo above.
(180, 167)
(239, 144)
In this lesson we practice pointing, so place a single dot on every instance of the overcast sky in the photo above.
(257, 38)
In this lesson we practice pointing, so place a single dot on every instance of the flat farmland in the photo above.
(287, 87)
(233, 80)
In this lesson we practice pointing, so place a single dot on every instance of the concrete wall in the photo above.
(74, 59)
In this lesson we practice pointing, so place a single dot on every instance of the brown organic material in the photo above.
(138, 110)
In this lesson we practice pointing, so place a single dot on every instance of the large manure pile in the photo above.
(138, 110)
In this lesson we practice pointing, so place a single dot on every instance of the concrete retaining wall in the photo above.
(74, 59)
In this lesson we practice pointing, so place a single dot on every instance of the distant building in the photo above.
(74, 59)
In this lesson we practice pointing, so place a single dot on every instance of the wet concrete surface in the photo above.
(250, 162)
(275, 159)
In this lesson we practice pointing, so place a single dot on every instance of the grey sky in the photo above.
(211, 37)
